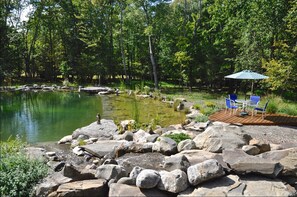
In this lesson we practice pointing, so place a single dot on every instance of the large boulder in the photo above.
(110, 171)
(174, 181)
(77, 173)
(145, 160)
(174, 162)
(140, 136)
(35, 153)
(133, 147)
(187, 144)
(260, 186)
(103, 131)
(147, 179)
(251, 150)
(123, 190)
(165, 145)
(263, 146)
(204, 171)
(51, 183)
(65, 139)
(242, 163)
(91, 188)
(217, 138)
(224, 186)
(287, 158)
(198, 156)
(102, 148)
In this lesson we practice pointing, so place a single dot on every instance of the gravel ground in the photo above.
(273, 134)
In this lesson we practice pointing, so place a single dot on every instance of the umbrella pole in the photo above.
(252, 87)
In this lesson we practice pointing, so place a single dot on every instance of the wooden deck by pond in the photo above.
(270, 119)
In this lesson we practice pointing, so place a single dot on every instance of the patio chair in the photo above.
(230, 104)
(254, 101)
(262, 110)
(233, 97)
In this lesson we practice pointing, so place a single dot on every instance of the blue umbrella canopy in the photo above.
(247, 74)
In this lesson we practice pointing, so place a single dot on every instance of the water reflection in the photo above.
(48, 116)
(45, 116)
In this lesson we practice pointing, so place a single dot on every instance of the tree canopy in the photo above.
(191, 43)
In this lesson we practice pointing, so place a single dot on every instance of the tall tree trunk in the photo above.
(144, 6)
(153, 63)
(122, 44)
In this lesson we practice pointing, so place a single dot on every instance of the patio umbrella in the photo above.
(247, 74)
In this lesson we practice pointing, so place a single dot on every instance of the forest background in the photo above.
(191, 43)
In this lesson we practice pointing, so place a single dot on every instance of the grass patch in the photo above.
(178, 137)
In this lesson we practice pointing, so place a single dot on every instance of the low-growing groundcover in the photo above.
(18, 174)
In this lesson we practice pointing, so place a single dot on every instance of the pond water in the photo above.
(48, 116)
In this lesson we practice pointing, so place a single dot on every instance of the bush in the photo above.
(197, 106)
(210, 104)
(18, 174)
(201, 118)
(178, 137)
(272, 107)
(208, 111)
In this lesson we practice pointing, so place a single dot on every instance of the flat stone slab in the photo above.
(95, 187)
(101, 148)
(103, 131)
(120, 190)
(243, 163)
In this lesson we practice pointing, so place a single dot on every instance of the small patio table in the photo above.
(244, 105)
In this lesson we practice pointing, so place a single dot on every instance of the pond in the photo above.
(48, 116)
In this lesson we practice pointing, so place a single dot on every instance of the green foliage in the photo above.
(210, 104)
(18, 174)
(146, 90)
(178, 137)
(81, 142)
(202, 118)
(208, 111)
(272, 107)
(197, 106)
(176, 103)
(122, 85)
(289, 109)
(278, 105)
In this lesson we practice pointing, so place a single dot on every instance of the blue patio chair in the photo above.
(233, 97)
(254, 101)
(230, 104)
(262, 110)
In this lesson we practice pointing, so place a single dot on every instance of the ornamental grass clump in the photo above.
(18, 173)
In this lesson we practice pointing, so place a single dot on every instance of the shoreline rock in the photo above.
(138, 163)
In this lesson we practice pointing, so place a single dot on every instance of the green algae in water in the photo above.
(142, 110)
(49, 116)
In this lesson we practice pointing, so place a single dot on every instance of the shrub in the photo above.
(289, 109)
(208, 111)
(18, 174)
(201, 118)
(197, 106)
(178, 137)
(272, 107)
(210, 104)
